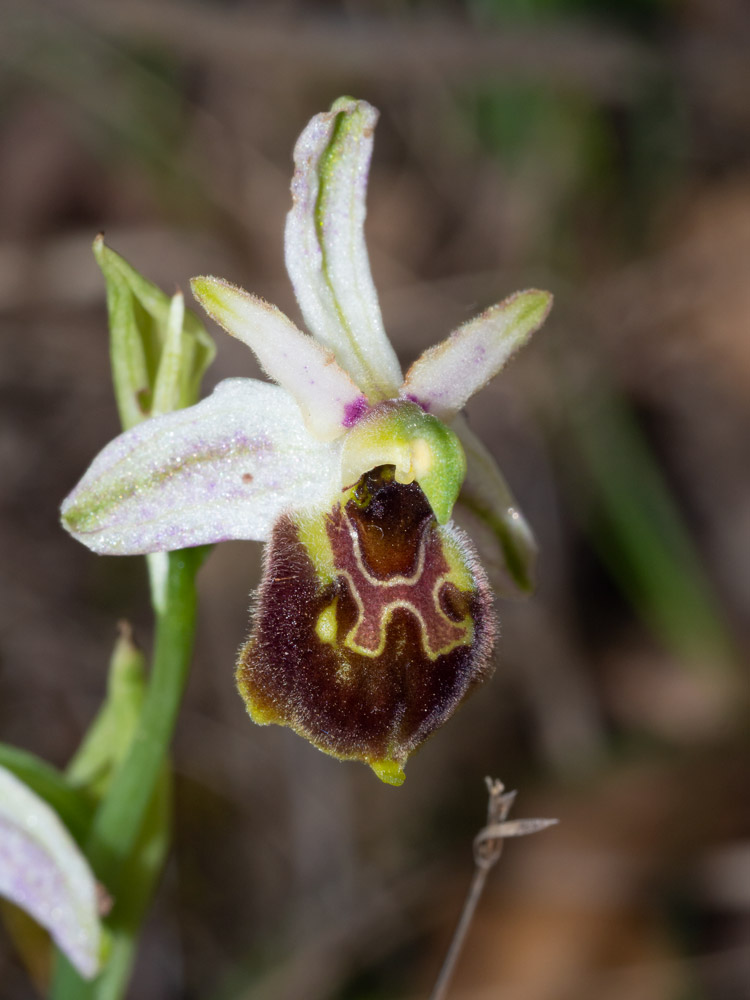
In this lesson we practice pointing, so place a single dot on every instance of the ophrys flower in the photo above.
(374, 617)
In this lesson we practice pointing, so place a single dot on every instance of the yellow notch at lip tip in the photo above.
(389, 771)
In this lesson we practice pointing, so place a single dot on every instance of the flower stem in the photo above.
(141, 874)
(119, 819)
(118, 822)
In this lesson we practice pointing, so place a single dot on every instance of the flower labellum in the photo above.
(373, 623)
(374, 616)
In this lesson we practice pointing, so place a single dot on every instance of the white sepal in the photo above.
(329, 399)
(224, 468)
(447, 375)
(326, 254)
(43, 871)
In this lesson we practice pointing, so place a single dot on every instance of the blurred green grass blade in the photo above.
(640, 533)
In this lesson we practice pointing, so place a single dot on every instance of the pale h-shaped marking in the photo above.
(377, 598)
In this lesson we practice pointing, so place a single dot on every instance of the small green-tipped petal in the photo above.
(326, 254)
(225, 468)
(43, 871)
(329, 400)
(149, 357)
(447, 375)
(488, 511)
(421, 447)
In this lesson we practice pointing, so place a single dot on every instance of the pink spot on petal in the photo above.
(354, 410)
(419, 402)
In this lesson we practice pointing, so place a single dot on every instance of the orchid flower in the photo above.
(374, 616)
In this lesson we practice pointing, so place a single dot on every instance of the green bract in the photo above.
(374, 618)
(111, 732)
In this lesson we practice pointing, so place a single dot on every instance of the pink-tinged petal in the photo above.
(43, 871)
(326, 254)
(325, 393)
(488, 511)
(447, 375)
(225, 468)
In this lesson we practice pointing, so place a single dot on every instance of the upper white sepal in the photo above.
(326, 255)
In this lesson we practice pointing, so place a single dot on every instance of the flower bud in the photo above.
(109, 737)
(159, 350)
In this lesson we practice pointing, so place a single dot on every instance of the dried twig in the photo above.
(488, 846)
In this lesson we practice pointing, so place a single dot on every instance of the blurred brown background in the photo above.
(599, 149)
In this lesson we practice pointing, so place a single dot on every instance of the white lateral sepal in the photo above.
(43, 871)
(224, 468)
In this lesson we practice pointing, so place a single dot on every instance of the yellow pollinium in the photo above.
(421, 448)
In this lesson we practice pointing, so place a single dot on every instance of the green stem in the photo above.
(119, 819)
(142, 872)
